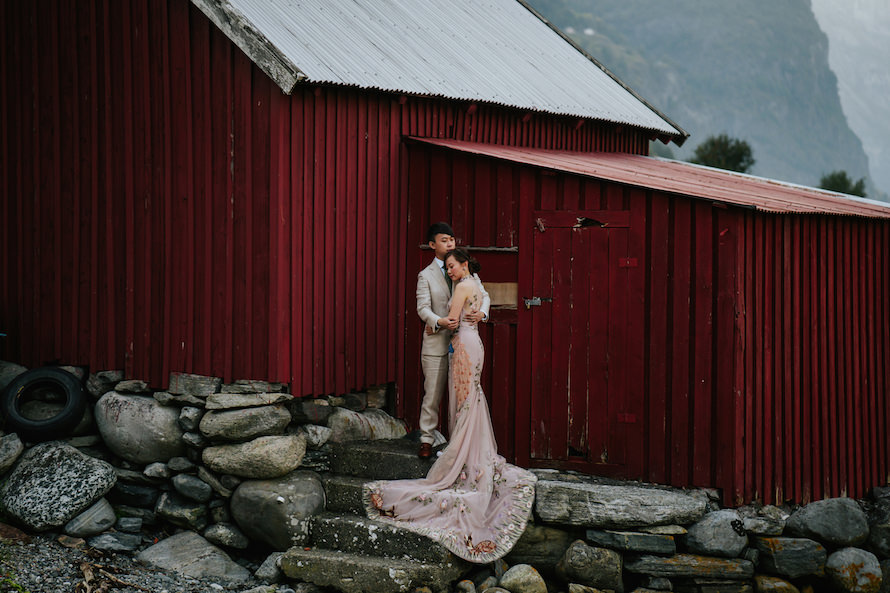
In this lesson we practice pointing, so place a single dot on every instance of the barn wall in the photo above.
(166, 208)
(813, 387)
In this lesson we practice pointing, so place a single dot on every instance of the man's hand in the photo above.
(429, 330)
(448, 322)
(474, 316)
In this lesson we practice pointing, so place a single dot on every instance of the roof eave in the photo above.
(252, 42)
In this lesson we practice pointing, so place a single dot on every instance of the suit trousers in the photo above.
(435, 381)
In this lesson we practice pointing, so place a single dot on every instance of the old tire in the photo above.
(49, 386)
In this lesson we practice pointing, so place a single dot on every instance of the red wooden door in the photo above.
(579, 315)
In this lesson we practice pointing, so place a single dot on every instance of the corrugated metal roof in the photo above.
(682, 178)
(496, 51)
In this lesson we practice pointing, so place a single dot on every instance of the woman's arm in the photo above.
(458, 299)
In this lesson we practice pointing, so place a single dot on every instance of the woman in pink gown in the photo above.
(471, 501)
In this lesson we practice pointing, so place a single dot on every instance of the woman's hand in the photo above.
(474, 317)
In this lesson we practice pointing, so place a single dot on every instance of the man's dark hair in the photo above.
(438, 228)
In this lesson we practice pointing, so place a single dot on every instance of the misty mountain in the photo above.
(755, 70)
(859, 51)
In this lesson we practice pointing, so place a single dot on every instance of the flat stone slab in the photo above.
(712, 586)
(192, 555)
(690, 566)
(353, 573)
(225, 401)
(359, 535)
(617, 507)
(791, 557)
(385, 459)
(632, 541)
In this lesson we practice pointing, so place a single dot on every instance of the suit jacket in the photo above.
(432, 303)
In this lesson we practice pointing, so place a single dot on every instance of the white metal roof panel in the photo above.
(496, 51)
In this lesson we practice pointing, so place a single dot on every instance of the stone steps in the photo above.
(359, 535)
(357, 573)
(354, 554)
(343, 494)
(385, 459)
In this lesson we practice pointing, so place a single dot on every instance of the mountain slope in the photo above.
(859, 51)
(756, 70)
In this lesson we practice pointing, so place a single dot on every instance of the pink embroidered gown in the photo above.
(471, 501)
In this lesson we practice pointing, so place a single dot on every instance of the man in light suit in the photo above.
(433, 294)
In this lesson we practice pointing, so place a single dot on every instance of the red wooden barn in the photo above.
(240, 188)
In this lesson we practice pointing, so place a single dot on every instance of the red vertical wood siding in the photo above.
(167, 208)
(813, 397)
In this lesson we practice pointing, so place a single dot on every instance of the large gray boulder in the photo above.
(347, 425)
(837, 521)
(244, 424)
(586, 565)
(52, 483)
(617, 507)
(190, 554)
(261, 458)
(720, 533)
(138, 428)
(10, 448)
(852, 570)
(277, 512)
(790, 557)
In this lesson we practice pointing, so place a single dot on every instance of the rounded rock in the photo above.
(719, 533)
(852, 570)
(262, 458)
(139, 429)
(837, 521)
(523, 578)
(587, 565)
(245, 424)
(192, 487)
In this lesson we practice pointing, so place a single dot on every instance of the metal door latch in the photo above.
(536, 301)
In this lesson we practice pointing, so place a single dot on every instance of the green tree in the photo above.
(839, 181)
(724, 152)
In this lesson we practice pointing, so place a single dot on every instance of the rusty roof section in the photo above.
(493, 51)
(716, 185)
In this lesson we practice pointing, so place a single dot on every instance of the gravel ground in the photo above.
(43, 565)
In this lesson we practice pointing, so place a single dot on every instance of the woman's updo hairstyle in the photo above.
(462, 255)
